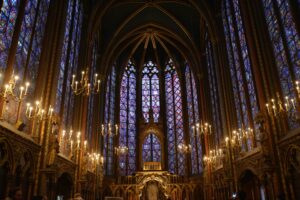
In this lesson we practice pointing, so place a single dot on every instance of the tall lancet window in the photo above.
(68, 62)
(109, 123)
(8, 18)
(150, 91)
(194, 118)
(240, 65)
(174, 116)
(213, 90)
(286, 44)
(127, 137)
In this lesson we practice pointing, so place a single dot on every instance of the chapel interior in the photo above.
(150, 99)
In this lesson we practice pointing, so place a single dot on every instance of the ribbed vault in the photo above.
(162, 28)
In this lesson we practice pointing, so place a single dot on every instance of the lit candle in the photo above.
(95, 79)
(109, 128)
(26, 87)
(30, 110)
(98, 86)
(226, 140)
(37, 103)
(50, 111)
(268, 109)
(88, 88)
(71, 146)
(117, 129)
(82, 75)
(287, 103)
(73, 80)
(70, 134)
(102, 129)
(5, 91)
(293, 103)
(76, 86)
(274, 109)
(209, 129)
(27, 107)
(21, 92)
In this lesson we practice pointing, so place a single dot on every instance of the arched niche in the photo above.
(157, 132)
(249, 186)
(64, 186)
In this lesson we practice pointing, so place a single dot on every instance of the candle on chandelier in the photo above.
(82, 75)
(27, 108)
(293, 103)
(98, 86)
(30, 110)
(73, 80)
(88, 88)
(268, 108)
(6, 89)
(95, 79)
(117, 129)
(21, 92)
(50, 111)
(26, 87)
(76, 86)
(102, 129)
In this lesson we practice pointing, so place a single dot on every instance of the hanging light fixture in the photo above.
(85, 86)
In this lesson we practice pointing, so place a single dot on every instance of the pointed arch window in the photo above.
(127, 136)
(240, 65)
(150, 91)
(68, 62)
(151, 149)
(286, 44)
(174, 116)
(109, 121)
(193, 117)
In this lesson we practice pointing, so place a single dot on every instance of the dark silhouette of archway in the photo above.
(249, 186)
(65, 186)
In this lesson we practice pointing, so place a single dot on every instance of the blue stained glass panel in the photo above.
(127, 133)
(175, 135)
(7, 21)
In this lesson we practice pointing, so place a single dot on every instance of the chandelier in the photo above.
(84, 86)
(106, 129)
(183, 148)
(202, 128)
(121, 150)
(214, 157)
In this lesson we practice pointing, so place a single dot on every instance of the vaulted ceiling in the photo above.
(153, 29)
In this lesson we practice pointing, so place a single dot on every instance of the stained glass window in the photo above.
(7, 21)
(286, 44)
(91, 98)
(109, 123)
(29, 41)
(174, 116)
(150, 91)
(127, 136)
(240, 65)
(151, 149)
(68, 63)
(193, 117)
(213, 89)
